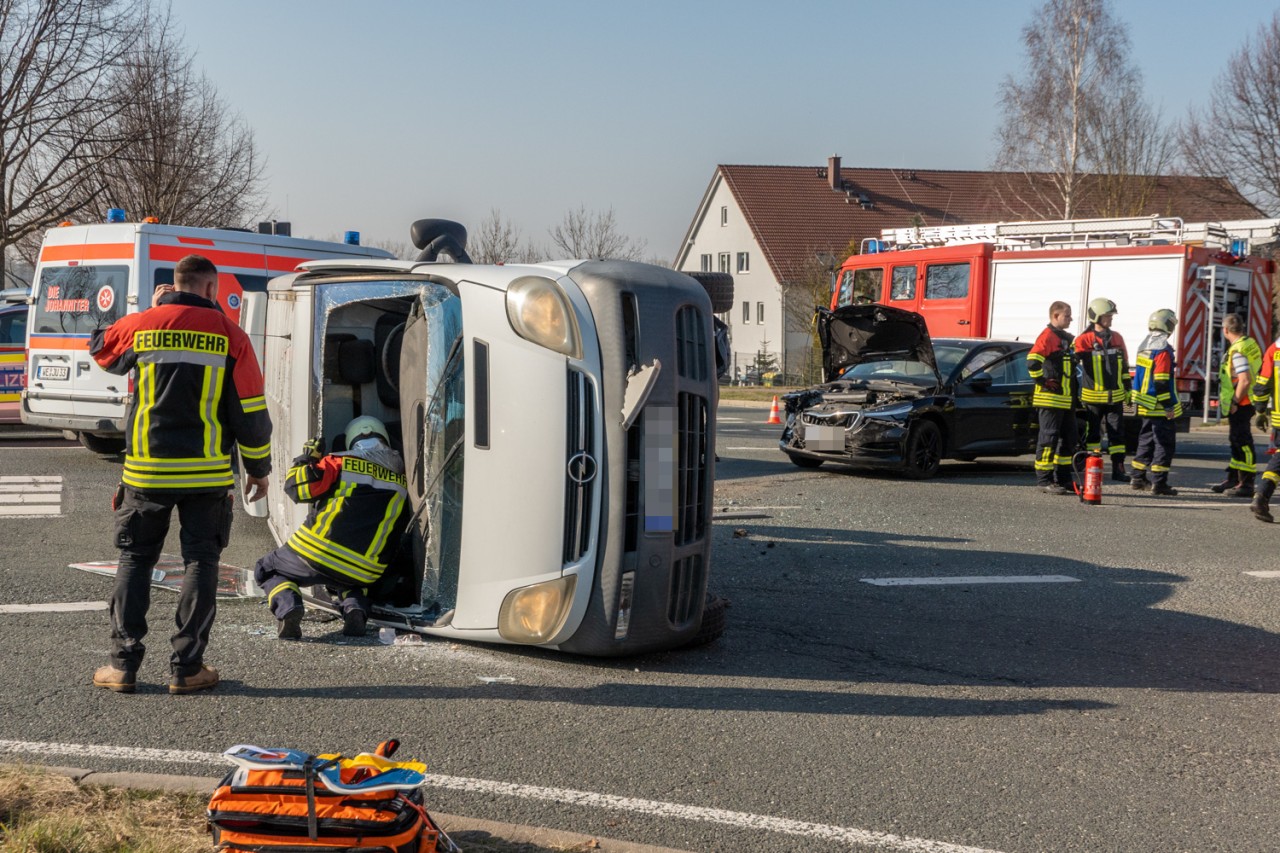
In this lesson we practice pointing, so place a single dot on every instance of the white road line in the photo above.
(29, 488)
(744, 820)
(30, 480)
(1264, 574)
(30, 510)
(53, 607)
(726, 508)
(31, 498)
(970, 580)
(768, 449)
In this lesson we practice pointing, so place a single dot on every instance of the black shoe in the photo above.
(1055, 489)
(1119, 475)
(1230, 483)
(353, 623)
(1140, 483)
(290, 627)
(1242, 491)
(1163, 489)
(1261, 510)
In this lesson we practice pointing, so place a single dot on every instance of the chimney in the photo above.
(833, 173)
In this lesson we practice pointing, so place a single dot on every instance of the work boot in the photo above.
(1261, 505)
(206, 678)
(1245, 489)
(290, 627)
(117, 680)
(353, 622)
(1140, 482)
(1118, 474)
(1232, 480)
(1163, 489)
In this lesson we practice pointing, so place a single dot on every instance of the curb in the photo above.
(452, 824)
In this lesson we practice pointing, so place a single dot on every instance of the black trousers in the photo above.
(1272, 471)
(1157, 441)
(1057, 442)
(142, 523)
(280, 574)
(1108, 418)
(1240, 433)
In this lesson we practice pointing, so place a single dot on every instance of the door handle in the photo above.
(962, 322)
(81, 367)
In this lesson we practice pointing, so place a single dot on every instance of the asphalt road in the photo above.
(1129, 706)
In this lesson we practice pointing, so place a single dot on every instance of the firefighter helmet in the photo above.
(1163, 320)
(1100, 307)
(363, 427)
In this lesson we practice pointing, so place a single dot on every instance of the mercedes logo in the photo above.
(582, 468)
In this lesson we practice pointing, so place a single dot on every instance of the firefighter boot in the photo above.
(1232, 480)
(1140, 482)
(290, 626)
(1161, 487)
(353, 622)
(1261, 505)
(1245, 489)
(1118, 474)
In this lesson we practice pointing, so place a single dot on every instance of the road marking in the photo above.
(769, 449)
(1264, 574)
(30, 497)
(970, 580)
(53, 607)
(589, 799)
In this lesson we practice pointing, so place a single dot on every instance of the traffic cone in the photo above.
(774, 415)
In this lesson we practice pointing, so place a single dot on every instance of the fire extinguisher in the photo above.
(1091, 490)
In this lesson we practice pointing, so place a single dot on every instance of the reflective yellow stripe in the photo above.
(1159, 469)
(1271, 475)
(253, 404)
(289, 585)
(176, 481)
(197, 463)
(323, 556)
(384, 529)
(256, 452)
(324, 521)
(357, 561)
(1136, 465)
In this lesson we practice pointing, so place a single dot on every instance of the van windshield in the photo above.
(78, 300)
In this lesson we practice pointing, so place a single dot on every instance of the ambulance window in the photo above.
(903, 284)
(946, 281)
(77, 300)
(858, 287)
(13, 327)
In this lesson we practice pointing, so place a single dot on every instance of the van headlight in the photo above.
(535, 614)
(540, 312)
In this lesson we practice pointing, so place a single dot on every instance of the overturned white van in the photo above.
(558, 427)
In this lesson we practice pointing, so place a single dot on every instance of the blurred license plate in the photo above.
(53, 371)
(823, 437)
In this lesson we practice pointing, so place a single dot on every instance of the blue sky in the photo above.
(376, 113)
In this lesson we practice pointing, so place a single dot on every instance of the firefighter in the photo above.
(1240, 365)
(1266, 392)
(1049, 363)
(1103, 367)
(351, 533)
(1157, 404)
(198, 394)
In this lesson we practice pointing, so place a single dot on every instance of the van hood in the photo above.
(856, 333)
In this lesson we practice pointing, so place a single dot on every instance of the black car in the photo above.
(893, 398)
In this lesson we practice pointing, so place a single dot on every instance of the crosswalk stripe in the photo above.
(30, 510)
(31, 480)
(30, 496)
(970, 580)
(52, 607)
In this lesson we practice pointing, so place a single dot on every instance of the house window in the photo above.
(746, 312)
(744, 262)
(706, 263)
(724, 262)
(760, 313)
(724, 216)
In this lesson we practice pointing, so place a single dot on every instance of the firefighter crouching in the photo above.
(1158, 405)
(1103, 367)
(1240, 365)
(1267, 388)
(1049, 363)
(351, 533)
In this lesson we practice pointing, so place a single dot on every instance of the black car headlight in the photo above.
(890, 413)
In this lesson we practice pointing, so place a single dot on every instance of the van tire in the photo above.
(103, 445)
(719, 287)
(713, 621)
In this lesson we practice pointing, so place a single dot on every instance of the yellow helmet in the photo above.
(1163, 320)
(1098, 307)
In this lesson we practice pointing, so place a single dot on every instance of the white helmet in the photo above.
(1163, 320)
(363, 427)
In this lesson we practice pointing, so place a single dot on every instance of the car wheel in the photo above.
(719, 286)
(713, 619)
(924, 450)
(804, 461)
(105, 445)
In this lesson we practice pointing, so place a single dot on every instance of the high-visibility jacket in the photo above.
(1049, 364)
(1247, 348)
(1265, 387)
(1153, 384)
(197, 392)
(352, 532)
(1103, 367)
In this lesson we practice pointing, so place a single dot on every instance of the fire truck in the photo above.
(997, 280)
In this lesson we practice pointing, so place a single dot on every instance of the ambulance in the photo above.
(88, 276)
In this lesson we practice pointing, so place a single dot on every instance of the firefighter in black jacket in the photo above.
(1104, 384)
(1050, 365)
(198, 394)
(350, 535)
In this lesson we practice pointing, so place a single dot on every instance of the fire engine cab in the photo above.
(998, 280)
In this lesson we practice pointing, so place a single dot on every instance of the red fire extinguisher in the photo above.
(1092, 491)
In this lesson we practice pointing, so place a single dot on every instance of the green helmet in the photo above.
(363, 427)
(1098, 307)
(1163, 320)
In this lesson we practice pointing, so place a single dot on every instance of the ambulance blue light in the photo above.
(115, 214)
(351, 238)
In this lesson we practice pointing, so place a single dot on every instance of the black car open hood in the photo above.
(857, 333)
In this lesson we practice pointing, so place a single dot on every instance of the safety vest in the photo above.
(1049, 363)
(1247, 347)
(1153, 388)
(1103, 367)
(352, 532)
(1265, 387)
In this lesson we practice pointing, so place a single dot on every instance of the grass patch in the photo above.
(748, 393)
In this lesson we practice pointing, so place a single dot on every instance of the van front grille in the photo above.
(687, 580)
(692, 487)
(582, 466)
(691, 344)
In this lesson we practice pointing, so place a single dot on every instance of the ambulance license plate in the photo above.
(825, 438)
(53, 371)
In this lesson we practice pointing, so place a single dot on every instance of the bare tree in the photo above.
(497, 240)
(57, 106)
(594, 235)
(1238, 135)
(1129, 148)
(193, 162)
(1077, 54)
(805, 288)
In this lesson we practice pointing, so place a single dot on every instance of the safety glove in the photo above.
(313, 449)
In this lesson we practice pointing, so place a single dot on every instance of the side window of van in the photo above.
(946, 281)
(858, 287)
(903, 284)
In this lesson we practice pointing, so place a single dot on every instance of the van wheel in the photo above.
(104, 445)
(713, 621)
(924, 451)
(719, 286)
